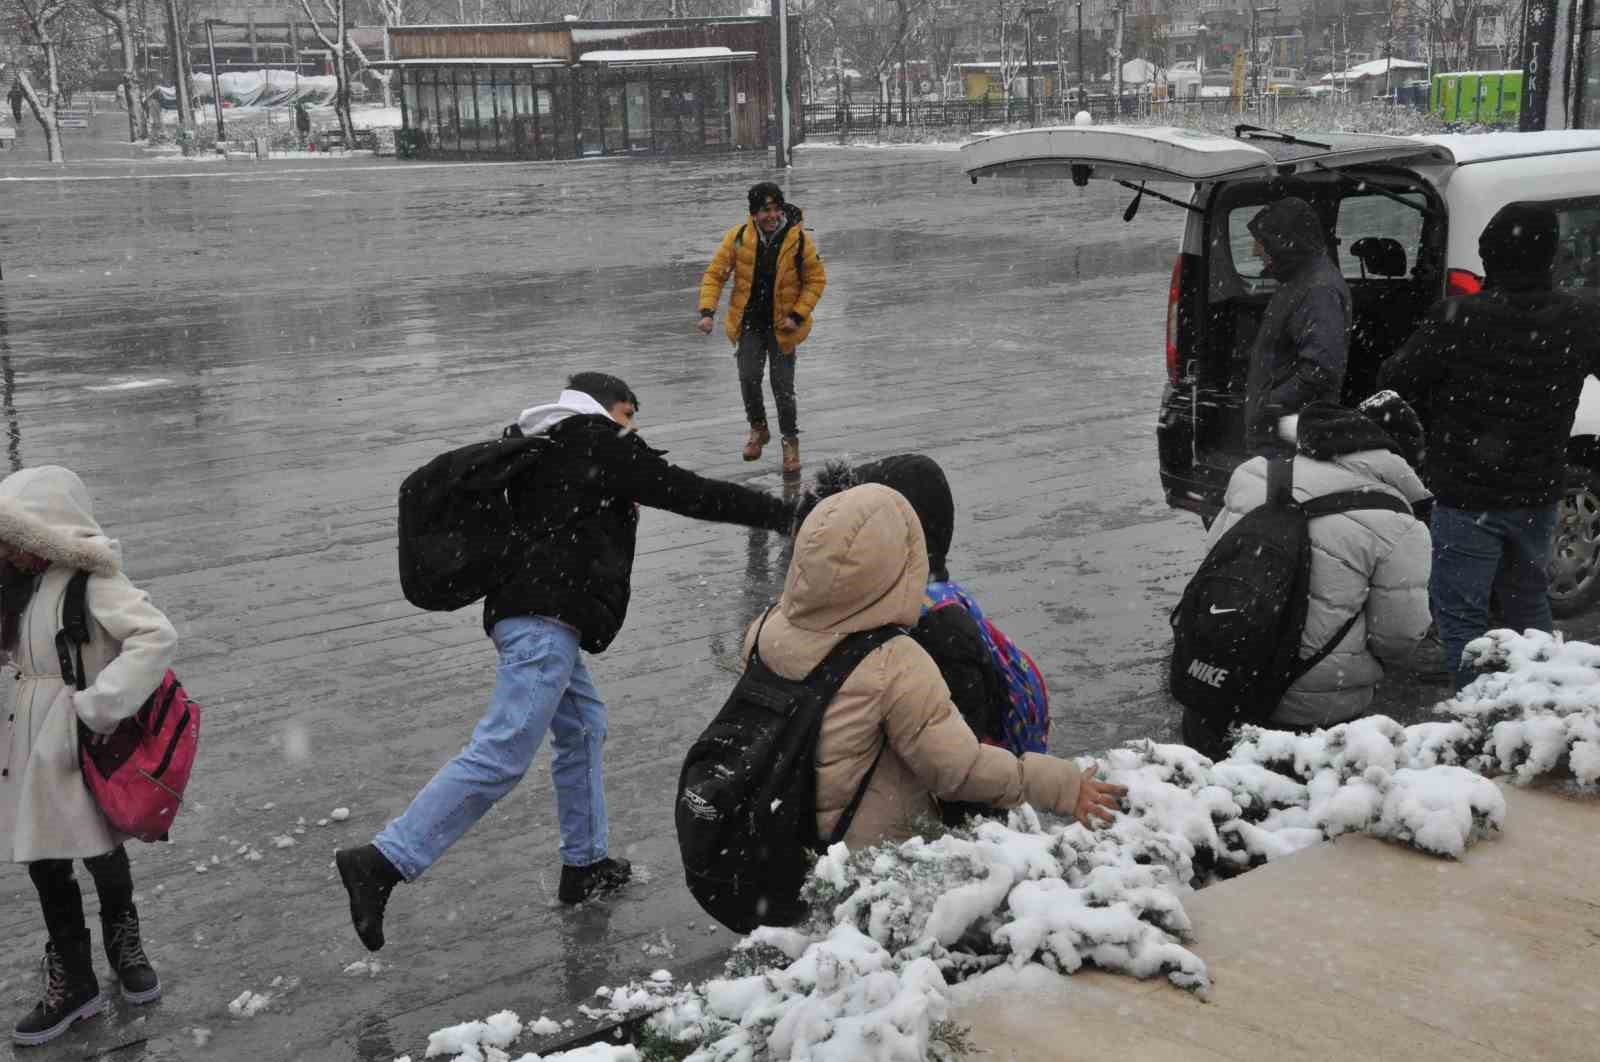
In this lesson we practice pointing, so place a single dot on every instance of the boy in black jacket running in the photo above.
(578, 510)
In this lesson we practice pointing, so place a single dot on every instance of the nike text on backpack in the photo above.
(1236, 633)
(1027, 716)
(457, 527)
(138, 772)
(746, 809)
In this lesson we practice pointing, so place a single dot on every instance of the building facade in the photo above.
(575, 89)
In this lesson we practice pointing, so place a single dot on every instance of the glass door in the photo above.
(638, 94)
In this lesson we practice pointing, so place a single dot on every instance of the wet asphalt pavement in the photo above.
(243, 361)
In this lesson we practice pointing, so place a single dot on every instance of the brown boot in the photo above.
(759, 437)
(791, 456)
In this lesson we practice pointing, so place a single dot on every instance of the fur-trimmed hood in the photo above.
(46, 511)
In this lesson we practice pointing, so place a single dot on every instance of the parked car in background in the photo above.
(1403, 215)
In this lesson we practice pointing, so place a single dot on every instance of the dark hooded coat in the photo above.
(1497, 376)
(578, 509)
(1301, 347)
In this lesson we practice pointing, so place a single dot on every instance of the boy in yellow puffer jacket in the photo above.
(778, 279)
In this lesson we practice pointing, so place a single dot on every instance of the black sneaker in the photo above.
(368, 877)
(71, 992)
(580, 883)
(125, 953)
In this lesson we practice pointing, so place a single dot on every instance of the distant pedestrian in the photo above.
(16, 97)
(1301, 347)
(1497, 377)
(302, 121)
(579, 513)
(47, 816)
(778, 279)
(1368, 602)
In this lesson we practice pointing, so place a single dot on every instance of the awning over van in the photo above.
(1165, 153)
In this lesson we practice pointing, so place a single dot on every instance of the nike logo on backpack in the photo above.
(1215, 611)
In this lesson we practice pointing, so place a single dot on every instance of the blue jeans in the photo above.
(541, 684)
(1500, 552)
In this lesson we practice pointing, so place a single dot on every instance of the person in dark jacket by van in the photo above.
(1301, 348)
(1496, 377)
(579, 511)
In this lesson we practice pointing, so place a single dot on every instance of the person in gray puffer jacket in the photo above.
(1374, 561)
(1302, 345)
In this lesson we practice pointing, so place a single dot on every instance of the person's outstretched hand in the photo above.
(1097, 800)
(705, 325)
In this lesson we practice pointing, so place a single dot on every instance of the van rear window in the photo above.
(1577, 265)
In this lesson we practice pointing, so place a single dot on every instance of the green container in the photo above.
(1487, 97)
(1467, 96)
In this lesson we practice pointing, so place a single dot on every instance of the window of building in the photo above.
(1577, 264)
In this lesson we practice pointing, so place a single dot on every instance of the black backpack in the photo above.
(458, 531)
(746, 808)
(1236, 633)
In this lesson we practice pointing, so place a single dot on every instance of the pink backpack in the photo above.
(138, 772)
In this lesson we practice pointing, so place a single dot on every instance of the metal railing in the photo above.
(873, 119)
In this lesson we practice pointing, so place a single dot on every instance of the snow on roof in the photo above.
(1376, 68)
(638, 56)
(1484, 147)
(384, 64)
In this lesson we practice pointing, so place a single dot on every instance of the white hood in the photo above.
(536, 420)
(46, 511)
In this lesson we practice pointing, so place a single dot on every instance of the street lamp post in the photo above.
(1029, 12)
(1083, 95)
(1255, 58)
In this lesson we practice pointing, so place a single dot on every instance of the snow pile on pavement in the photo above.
(1537, 711)
(893, 926)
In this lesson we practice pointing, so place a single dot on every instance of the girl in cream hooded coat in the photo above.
(47, 816)
(860, 562)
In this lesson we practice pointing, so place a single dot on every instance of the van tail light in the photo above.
(1462, 282)
(1174, 294)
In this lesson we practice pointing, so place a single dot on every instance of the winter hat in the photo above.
(1291, 233)
(1326, 430)
(1519, 242)
(915, 476)
(45, 511)
(762, 194)
(1400, 422)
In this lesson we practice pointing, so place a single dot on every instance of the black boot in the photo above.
(125, 953)
(368, 877)
(580, 883)
(71, 992)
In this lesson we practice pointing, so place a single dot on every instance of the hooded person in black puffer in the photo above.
(1300, 350)
(1496, 377)
(950, 635)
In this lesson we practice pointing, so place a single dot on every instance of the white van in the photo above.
(1404, 214)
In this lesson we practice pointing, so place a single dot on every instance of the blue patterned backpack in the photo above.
(1027, 720)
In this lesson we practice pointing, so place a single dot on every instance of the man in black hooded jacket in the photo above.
(1300, 349)
(577, 513)
(1496, 377)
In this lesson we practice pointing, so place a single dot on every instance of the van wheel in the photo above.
(1575, 550)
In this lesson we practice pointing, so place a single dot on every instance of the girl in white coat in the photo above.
(47, 816)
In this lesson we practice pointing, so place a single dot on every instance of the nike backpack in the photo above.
(458, 532)
(746, 807)
(1025, 723)
(1237, 630)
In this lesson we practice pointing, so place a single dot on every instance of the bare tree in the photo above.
(339, 45)
(119, 14)
(882, 42)
(44, 25)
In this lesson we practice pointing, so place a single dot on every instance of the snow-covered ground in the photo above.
(899, 931)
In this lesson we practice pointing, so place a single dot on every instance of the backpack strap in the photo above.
(825, 681)
(74, 630)
(1280, 481)
(1345, 502)
(755, 643)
